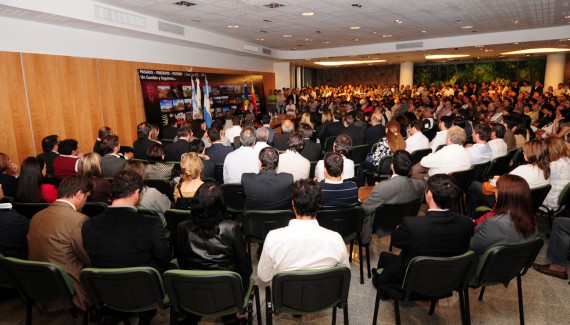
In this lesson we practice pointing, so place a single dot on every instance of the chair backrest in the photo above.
(92, 209)
(312, 169)
(501, 264)
(237, 142)
(358, 153)
(389, 216)
(6, 278)
(564, 197)
(463, 178)
(132, 289)
(538, 195)
(205, 293)
(148, 212)
(328, 147)
(162, 185)
(517, 159)
(173, 218)
(310, 291)
(219, 173)
(257, 224)
(417, 155)
(347, 222)
(29, 209)
(384, 168)
(479, 171)
(40, 282)
(233, 197)
(499, 166)
(438, 276)
(439, 147)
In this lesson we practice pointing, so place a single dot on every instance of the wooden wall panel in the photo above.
(63, 94)
(15, 136)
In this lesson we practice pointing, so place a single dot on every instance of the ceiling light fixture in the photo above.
(567, 17)
(445, 56)
(308, 40)
(338, 63)
(424, 31)
(374, 32)
(387, 35)
(355, 27)
(466, 27)
(536, 50)
(287, 35)
(233, 26)
(306, 14)
(398, 21)
(185, 3)
(516, 21)
(326, 42)
(355, 39)
(274, 5)
(260, 39)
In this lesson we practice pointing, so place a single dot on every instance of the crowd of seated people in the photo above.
(303, 167)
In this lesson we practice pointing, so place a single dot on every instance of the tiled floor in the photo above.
(546, 301)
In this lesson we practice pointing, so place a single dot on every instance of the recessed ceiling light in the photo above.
(260, 39)
(338, 63)
(233, 26)
(489, 50)
(466, 27)
(445, 56)
(326, 42)
(308, 13)
(374, 32)
(387, 35)
(479, 45)
(516, 43)
(287, 35)
(355, 27)
(273, 5)
(458, 21)
(308, 40)
(537, 50)
(424, 31)
(185, 3)
(567, 17)
(355, 39)
(398, 21)
(516, 21)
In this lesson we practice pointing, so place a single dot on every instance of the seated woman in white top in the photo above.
(559, 170)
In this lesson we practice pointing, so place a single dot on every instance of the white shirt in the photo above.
(347, 171)
(480, 153)
(260, 145)
(233, 132)
(293, 163)
(416, 142)
(451, 158)
(242, 160)
(301, 245)
(439, 139)
(498, 147)
(532, 175)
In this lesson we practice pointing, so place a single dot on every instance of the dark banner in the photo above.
(182, 94)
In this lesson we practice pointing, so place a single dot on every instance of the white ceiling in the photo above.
(497, 25)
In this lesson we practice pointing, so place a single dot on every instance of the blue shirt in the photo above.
(480, 153)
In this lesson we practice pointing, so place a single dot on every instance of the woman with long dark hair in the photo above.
(31, 186)
(513, 222)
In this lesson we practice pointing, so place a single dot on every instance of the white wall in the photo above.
(34, 37)
(282, 72)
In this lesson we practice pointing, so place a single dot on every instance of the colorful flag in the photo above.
(195, 105)
(207, 113)
(245, 96)
(253, 99)
(198, 95)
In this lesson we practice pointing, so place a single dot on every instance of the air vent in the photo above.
(266, 51)
(119, 17)
(170, 28)
(411, 45)
(274, 5)
(250, 47)
(185, 3)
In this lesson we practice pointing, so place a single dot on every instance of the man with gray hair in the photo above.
(451, 158)
(280, 140)
(242, 160)
(261, 139)
(375, 131)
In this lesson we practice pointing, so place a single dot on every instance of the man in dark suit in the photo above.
(217, 151)
(141, 145)
(332, 129)
(104, 131)
(121, 237)
(111, 162)
(311, 150)
(377, 131)
(280, 140)
(267, 190)
(266, 120)
(170, 131)
(355, 133)
(180, 147)
(49, 146)
(440, 233)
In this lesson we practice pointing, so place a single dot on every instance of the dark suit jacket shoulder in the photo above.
(355, 133)
(267, 190)
(176, 150)
(218, 152)
(311, 150)
(48, 157)
(280, 141)
(140, 147)
(374, 133)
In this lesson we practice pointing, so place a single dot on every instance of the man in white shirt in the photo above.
(451, 158)
(235, 129)
(261, 136)
(445, 123)
(497, 144)
(291, 161)
(303, 244)
(417, 140)
(243, 159)
(480, 151)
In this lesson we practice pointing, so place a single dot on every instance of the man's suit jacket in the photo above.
(140, 147)
(355, 133)
(110, 165)
(55, 237)
(439, 233)
(176, 150)
(120, 237)
(398, 189)
(169, 132)
(267, 190)
(374, 133)
(271, 134)
(280, 141)
(331, 130)
(48, 157)
(311, 150)
(209, 169)
(218, 152)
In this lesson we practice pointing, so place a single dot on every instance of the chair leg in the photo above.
(467, 308)
(367, 248)
(481, 293)
(345, 311)
(462, 307)
(268, 311)
(334, 316)
(173, 316)
(432, 306)
(376, 304)
(390, 248)
(257, 304)
(29, 306)
(521, 306)
(350, 255)
(397, 311)
(361, 264)
(86, 317)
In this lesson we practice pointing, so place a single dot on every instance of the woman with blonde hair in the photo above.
(191, 168)
(306, 118)
(386, 146)
(559, 170)
(89, 165)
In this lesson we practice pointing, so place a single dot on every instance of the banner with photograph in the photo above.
(173, 94)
